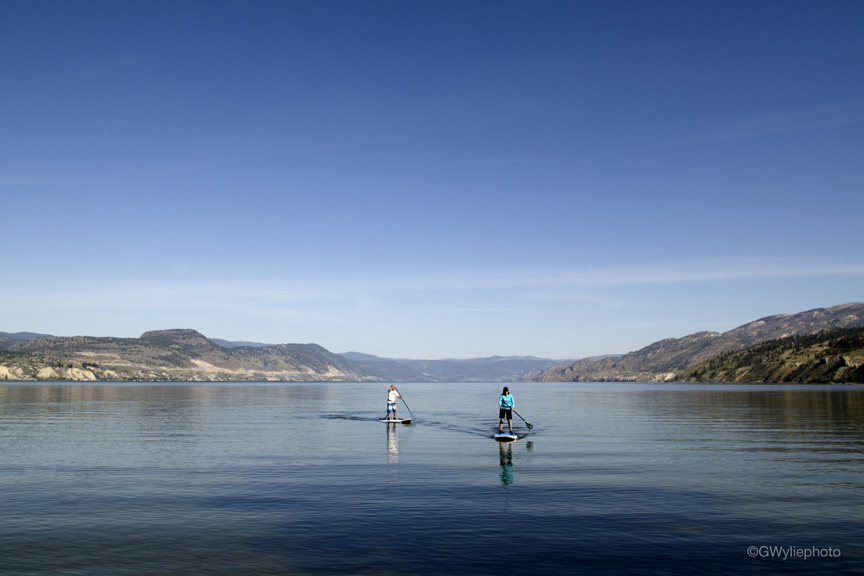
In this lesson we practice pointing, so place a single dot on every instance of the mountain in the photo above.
(491, 369)
(230, 344)
(661, 360)
(384, 369)
(18, 336)
(828, 356)
(181, 355)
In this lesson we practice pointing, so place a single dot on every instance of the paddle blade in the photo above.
(530, 426)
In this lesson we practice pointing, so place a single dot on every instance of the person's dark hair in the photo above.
(505, 390)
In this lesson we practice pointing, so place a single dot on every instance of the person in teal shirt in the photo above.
(506, 402)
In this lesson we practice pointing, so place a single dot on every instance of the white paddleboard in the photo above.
(405, 421)
(505, 437)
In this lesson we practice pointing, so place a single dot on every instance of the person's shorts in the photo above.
(503, 413)
(391, 407)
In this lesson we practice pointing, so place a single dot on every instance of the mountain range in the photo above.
(491, 369)
(187, 355)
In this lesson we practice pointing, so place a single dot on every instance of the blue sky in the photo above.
(429, 179)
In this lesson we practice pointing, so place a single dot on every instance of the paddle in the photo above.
(406, 404)
(520, 416)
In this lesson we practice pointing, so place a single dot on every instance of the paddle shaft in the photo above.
(520, 416)
(406, 404)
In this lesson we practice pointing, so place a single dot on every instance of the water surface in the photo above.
(302, 479)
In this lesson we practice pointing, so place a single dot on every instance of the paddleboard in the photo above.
(505, 437)
(405, 421)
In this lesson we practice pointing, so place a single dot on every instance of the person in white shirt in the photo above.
(392, 395)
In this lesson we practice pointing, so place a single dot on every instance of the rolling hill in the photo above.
(663, 360)
(828, 356)
(163, 355)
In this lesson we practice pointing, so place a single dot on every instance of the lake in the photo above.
(301, 479)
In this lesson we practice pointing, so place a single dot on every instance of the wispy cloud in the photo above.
(648, 273)
(711, 271)
(461, 288)
(826, 115)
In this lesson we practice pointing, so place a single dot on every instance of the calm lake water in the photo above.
(302, 479)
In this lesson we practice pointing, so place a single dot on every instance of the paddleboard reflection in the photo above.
(505, 459)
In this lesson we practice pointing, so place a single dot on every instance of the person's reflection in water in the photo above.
(392, 444)
(505, 458)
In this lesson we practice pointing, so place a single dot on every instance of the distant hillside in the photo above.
(828, 356)
(230, 344)
(181, 355)
(491, 369)
(6, 337)
(664, 359)
(384, 369)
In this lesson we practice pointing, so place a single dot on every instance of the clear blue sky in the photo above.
(429, 179)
